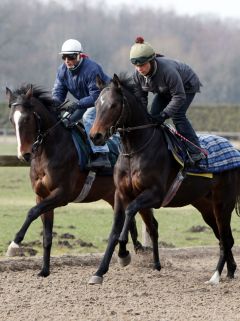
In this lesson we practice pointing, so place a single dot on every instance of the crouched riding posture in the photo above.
(174, 85)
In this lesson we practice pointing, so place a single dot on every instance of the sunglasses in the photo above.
(69, 57)
(139, 61)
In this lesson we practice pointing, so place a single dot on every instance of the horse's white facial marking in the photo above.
(16, 116)
(102, 100)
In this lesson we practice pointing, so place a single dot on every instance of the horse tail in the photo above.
(237, 204)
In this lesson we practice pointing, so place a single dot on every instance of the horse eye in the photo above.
(25, 120)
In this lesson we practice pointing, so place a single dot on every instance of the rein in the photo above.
(41, 136)
(140, 148)
(130, 129)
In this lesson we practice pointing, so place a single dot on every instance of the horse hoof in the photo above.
(43, 274)
(157, 266)
(95, 280)
(138, 247)
(124, 261)
(13, 249)
(215, 279)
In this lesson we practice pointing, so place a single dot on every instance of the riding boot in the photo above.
(99, 160)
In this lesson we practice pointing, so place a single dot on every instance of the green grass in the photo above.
(92, 222)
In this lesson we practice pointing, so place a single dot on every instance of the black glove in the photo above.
(161, 117)
(72, 107)
(66, 119)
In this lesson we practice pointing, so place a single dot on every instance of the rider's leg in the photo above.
(100, 153)
(185, 128)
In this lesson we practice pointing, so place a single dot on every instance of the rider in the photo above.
(174, 84)
(77, 75)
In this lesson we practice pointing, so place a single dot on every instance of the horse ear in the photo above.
(116, 81)
(29, 92)
(100, 83)
(9, 95)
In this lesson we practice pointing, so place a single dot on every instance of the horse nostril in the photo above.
(98, 139)
(27, 157)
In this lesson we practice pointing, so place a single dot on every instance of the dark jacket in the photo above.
(170, 78)
(81, 83)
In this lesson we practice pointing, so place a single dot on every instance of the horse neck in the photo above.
(137, 114)
(137, 117)
(50, 128)
(47, 119)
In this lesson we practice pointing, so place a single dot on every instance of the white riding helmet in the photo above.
(71, 46)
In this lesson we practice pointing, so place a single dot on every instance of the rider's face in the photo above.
(144, 69)
(70, 60)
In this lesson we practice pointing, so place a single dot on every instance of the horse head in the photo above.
(29, 116)
(111, 110)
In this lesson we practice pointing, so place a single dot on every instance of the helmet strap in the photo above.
(80, 59)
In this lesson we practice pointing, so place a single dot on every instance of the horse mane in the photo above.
(38, 92)
(127, 82)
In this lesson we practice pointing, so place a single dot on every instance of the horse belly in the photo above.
(191, 190)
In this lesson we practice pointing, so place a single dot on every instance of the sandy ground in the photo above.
(133, 293)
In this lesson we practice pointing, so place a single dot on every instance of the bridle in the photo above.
(40, 133)
(119, 127)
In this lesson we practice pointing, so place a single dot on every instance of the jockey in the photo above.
(174, 85)
(77, 76)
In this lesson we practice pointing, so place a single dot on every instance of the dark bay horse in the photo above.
(55, 173)
(146, 169)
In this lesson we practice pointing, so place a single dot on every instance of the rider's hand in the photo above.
(72, 107)
(161, 117)
(66, 119)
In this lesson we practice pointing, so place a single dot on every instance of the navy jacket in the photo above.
(81, 83)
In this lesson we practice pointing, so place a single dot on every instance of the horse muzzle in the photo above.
(25, 157)
(98, 139)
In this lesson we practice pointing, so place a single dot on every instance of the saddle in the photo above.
(178, 147)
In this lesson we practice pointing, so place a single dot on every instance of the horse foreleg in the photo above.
(13, 248)
(143, 202)
(118, 221)
(55, 199)
(47, 219)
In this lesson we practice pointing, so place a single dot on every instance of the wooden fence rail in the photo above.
(11, 161)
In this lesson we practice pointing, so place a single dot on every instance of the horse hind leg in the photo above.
(222, 230)
(152, 227)
(134, 235)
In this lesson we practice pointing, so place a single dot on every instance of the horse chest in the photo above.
(130, 181)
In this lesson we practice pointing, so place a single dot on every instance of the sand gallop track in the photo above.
(133, 293)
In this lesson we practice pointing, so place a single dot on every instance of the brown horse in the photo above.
(146, 169)
(55, 173)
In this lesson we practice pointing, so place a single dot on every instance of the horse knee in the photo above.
(47, 241)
